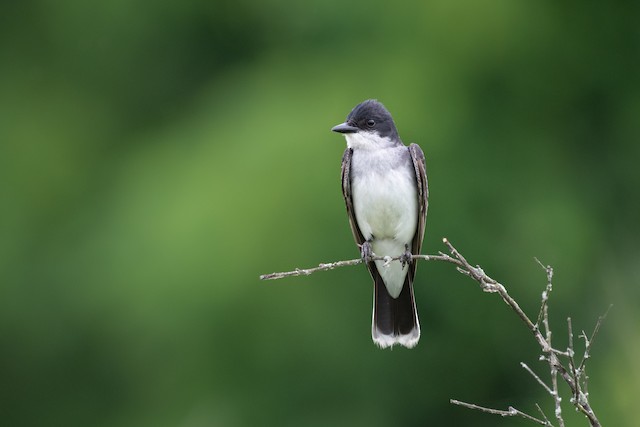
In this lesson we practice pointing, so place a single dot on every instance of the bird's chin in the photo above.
(367, 141)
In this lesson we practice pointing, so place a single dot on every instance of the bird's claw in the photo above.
(406, 257)
(366, 252)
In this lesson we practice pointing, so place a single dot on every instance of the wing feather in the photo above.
(419, 165)
(348, 199)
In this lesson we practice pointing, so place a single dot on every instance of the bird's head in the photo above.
(369, 125)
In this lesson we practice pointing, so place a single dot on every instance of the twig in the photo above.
(548, 423)
(510, 412)
(308, 271)
(547, 291)
(576, 373)
(490, 285)
(588, 342)
(552, 358)
(537, 378)
(337, 264)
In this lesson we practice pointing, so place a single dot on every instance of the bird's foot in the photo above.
(366, 252)
(406, 257)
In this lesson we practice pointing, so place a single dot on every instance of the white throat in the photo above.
(367, 141)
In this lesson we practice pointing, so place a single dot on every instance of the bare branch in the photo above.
(537, 378)
(575, 378)
(556, 396)
(575, 373)
(510, 412)
(547, 291)
(553, 361)
(308, 271)
(588, 342)
(488, 284)
(548, 423)
(348, 263)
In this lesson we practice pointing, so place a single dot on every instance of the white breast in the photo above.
(386, 205)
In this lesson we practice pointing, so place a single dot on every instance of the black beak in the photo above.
(344, 128)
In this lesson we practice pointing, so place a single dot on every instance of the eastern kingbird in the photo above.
(384, 184)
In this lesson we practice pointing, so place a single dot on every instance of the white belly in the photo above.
(386, 209)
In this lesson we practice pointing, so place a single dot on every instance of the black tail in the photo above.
(395, 320)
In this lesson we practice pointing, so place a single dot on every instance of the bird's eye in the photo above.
(371, 123)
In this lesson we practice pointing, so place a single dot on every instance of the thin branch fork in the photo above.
(574, 376)
(571, 376)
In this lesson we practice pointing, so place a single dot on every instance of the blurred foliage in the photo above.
(156, 157)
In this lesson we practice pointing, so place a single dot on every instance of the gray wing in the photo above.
(346, 192)
(417, 156)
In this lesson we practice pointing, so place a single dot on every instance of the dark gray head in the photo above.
(369, 116)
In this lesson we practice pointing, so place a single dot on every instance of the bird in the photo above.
(385, 189)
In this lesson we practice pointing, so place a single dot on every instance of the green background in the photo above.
(157, 157)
